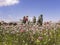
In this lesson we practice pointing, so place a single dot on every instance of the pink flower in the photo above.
(40, 38)
(22, 31)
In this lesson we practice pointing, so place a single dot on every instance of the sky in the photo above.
(14, 10)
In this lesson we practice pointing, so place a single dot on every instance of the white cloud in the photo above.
(8, 2)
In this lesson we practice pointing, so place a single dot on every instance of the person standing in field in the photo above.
(25, 19)
(40, 20)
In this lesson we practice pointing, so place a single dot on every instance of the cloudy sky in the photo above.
(13, 10)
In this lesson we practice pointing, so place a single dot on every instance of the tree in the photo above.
(40, 20)
(34, 19)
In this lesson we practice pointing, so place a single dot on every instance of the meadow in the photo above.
(30, 34)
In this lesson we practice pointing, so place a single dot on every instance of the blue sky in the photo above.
(49, 8)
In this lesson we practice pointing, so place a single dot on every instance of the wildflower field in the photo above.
(30, 34)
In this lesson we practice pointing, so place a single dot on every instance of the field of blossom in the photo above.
(30, 34)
